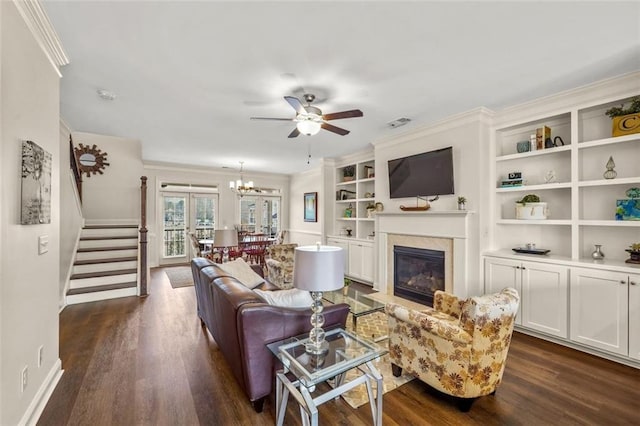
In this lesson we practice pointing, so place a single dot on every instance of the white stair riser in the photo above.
(101, 295)
(96, 281)
(100, 267)
(110, 232)
(108, 243)
(92, 255)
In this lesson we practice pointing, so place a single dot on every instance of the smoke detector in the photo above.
(398, 122)
(106, 94)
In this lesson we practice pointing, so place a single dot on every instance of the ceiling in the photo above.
(188, 75)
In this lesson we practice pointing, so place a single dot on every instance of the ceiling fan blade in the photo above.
(334, 129)
(271, 118)
(343, 114)
(294, 133)
(295, 104)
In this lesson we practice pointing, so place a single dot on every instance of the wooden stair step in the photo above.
(103, 274)
(107, 260)
(109, 226)
(98, 288)
(115, 237)
(88, 249)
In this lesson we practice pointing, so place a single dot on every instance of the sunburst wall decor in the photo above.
(90, 159)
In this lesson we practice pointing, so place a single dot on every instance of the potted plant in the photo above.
(634, 252)
(347, 283)
(625, 120)
(462, 201)
(348, 173)
(531, 208)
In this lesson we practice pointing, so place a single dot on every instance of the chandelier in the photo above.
(240, 186)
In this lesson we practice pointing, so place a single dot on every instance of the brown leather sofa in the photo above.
(242, 324)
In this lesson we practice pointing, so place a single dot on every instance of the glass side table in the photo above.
(346, 351)
(359, 303)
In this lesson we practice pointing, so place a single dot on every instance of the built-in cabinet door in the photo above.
(500, 274)
(355, 260)
(344, 245)
(367, 262)
(600, 309)
(634, 316)
(544, 298)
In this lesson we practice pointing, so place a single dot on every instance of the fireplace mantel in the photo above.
(453, 225)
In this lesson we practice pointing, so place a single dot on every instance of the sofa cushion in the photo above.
(241, 270)
(292, 298)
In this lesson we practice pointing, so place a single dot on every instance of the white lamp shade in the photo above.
(318, 268)
(225, 238)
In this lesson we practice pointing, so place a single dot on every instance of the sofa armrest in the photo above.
(260, 324)
(437, 323)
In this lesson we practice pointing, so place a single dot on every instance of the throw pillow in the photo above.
(240, 270)
(292, 298)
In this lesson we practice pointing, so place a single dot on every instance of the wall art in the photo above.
(36, 184)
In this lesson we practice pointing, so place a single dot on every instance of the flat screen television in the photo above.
(426, 174)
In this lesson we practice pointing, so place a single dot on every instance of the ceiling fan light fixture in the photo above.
(308, 125)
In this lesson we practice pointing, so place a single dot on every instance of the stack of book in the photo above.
(508, 183)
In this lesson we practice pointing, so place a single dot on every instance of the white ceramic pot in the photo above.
(532, 211)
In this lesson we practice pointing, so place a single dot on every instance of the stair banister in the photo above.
(143, 236)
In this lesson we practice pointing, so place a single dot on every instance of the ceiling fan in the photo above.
(309, 119)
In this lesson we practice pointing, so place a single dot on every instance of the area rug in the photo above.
(373, 327)
(179, 276)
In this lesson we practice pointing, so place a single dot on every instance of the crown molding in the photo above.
(480, 115)
(40, 26)
(64, 127)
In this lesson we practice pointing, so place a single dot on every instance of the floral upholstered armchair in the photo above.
(458, 347)
(279, 261)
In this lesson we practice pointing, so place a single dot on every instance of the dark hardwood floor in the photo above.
(147, 361)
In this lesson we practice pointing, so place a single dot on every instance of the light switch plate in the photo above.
(43, 244)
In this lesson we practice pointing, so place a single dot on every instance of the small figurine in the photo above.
(610, 173)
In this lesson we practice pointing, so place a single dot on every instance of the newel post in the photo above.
(143, 236)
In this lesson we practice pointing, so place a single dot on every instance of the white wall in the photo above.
(29, 283)
(468, 134)
(301, 232)
(114, 196)
(228, 208)
(71, 221)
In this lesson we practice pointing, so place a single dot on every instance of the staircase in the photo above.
(106, 264)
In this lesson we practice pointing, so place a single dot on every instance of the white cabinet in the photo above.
(600, 309)
(344, 245)
(634, 316)
(543, 290)
(361, 260)
(359, 257)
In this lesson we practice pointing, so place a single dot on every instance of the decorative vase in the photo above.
(461, 206)
(610, 173)
(626, 124)
(634, 256)
(532, 211)
(597, 253)
(345, 291)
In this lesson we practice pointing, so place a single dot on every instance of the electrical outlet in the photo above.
(40, 355)
(24, 378)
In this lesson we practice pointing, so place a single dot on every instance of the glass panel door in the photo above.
(270, 216)
(185, 213)
(174, 226)
(248, 214)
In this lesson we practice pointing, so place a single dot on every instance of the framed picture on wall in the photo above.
(310, 206)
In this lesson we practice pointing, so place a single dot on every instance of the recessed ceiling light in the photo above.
(106, 95)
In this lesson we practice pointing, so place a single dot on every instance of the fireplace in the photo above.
(418, 273)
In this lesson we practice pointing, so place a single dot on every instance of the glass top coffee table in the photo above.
(359, 305)
(346, 352)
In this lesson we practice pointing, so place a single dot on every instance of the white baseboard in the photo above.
(35, 409)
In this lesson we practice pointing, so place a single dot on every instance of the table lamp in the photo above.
(225, 238)
(317, 269)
